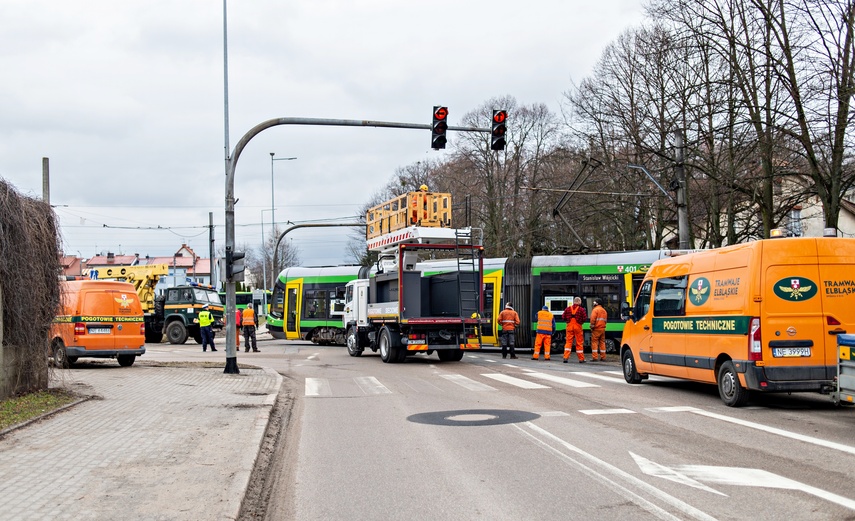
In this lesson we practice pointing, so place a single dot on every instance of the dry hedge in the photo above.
(29, 284)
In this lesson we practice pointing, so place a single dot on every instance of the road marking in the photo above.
(314, 356)
(553, 413)
(491, 361)
(371, 385)
(682, 408)
(598, 376)
(691, 475)
(467, 383)
(675, 503)
(318, 387)
(591, 412)
(519, 382)
(562, 380)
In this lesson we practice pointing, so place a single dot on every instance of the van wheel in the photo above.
(731, 392)
(176, 333)
(126, 360)
(630, 374)
(60, 358)
(352, 342)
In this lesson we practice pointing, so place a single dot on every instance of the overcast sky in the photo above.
(126, 99)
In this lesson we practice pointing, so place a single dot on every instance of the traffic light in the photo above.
(500, 128)
(234, 265)
(438, 127)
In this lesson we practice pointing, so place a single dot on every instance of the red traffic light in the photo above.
(440, 112)
(499, 116)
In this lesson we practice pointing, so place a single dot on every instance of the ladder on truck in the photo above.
(468, 283)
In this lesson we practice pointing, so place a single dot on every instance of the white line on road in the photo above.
(562, 380)
(467, 383)
(598, 376)
(659, 512)
(519, 382)
(371, 385)
(318, 387)
(591, 412)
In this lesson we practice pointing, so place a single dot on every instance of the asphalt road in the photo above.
(488, 439)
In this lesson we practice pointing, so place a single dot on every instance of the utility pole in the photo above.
(682, 206)
(46, 180)
(211, 249)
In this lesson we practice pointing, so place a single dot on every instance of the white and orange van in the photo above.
(98, 319)
(761, 316)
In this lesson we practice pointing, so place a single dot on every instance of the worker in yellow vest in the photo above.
(205, 321)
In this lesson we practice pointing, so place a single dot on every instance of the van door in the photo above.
(794, 324)
(97, 314)
(670, 327)
(837, 293)
(638, 331)
(128, 319)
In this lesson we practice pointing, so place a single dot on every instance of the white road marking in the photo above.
(318, 387)
(491, 361)
(682, 408)
(467, 383)
(604, 467)
(371, 385)
(561, 380)
(652, 468)
(591, 412)
(523, 384)
(598, 376)
(314, 356)
(553, 414)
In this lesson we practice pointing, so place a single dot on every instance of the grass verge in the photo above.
(20, 409)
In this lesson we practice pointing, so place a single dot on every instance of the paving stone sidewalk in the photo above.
(158, 443)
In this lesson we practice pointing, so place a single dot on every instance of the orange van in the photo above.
(98, 319)
(762, 316)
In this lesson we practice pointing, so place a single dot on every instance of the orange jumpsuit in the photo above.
(545, 327)
(575, 317)
(237, 327)
(599, 316)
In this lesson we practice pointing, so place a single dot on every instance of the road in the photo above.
(488, 438)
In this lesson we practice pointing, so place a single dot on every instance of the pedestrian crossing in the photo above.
(524, 379)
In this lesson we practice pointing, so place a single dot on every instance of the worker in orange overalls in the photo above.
(545, 328)
(237, 328)
(249, 329)
(509, 320)
(575, 315)
(599, 317)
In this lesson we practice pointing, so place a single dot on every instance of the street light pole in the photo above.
(272, 197)
(263, 253)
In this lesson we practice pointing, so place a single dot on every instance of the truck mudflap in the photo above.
(796, 379)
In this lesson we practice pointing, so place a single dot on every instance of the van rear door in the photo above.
(128, 317)
(794, 333)
(97, 317)
(837, 293)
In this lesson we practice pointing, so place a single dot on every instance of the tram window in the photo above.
(315, 304)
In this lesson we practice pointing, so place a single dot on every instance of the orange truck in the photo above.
(98, 319)
(757, 317)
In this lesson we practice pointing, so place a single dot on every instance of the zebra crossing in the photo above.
(525, 379)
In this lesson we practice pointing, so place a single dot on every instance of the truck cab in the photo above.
(181, 307)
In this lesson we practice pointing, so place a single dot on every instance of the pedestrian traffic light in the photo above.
(234, 265)
(439, 127)
(500, 128)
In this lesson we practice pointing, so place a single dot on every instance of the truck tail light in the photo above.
(79, 328)
(755, 345)
(417, 338)
(142, 328)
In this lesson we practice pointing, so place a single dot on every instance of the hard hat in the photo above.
(545, 307)
(423, 188)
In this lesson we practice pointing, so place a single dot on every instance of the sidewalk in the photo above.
(165, 443)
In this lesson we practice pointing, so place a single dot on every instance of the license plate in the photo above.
(99, 330)
(787, 352)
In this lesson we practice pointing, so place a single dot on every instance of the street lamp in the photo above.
(272, 159)
(263, 255)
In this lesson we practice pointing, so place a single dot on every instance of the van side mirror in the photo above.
(625, 312)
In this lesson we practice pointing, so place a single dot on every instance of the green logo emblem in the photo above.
(795, 288)
(699, 291)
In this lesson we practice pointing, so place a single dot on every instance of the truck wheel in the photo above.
(353, 348)
(152, 336)
(389, 346)
(60, 358)
(450, 355)
(176, 333)
(731, 392)
(611, 345)
(126, 360)
(197, 336)
(630, 374)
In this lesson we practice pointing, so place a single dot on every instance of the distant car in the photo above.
(98, 319)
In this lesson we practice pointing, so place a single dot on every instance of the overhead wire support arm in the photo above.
(588, 166)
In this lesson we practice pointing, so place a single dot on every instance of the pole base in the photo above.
(231, 366)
